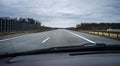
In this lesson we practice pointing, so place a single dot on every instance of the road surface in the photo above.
(53, 38)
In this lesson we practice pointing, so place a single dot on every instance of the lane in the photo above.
(23, 43)
(61, 37)
(45, 40)
(82, 37)
(98, 39)
(54, 38)
(39, 41)
(11, 38)
(12, 35)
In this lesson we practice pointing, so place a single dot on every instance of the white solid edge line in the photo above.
(45, 40)
(11, 38)
(82, 37)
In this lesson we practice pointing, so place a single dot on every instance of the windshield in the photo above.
(27, 25)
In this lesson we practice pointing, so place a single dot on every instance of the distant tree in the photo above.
(98, 26)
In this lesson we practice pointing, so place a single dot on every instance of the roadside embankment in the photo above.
(18, 32)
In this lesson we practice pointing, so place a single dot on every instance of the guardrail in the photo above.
(109, 34)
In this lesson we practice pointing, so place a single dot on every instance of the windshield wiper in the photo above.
(94, 44)
(83, 47)
(94, 52)
(76, 47)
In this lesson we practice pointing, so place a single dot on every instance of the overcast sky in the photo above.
(63, 13)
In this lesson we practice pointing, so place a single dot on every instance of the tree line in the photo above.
(22, 20)
(8, 24)
(98, 26)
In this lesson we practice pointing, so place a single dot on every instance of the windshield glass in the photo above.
(27, 25)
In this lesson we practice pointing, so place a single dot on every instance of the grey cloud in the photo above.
(63, 13)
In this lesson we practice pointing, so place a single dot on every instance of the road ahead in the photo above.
(59, 37)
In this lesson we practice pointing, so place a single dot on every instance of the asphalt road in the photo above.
(54, 38)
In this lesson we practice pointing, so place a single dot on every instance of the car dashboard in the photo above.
(63, 59)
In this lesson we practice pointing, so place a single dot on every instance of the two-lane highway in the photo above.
(59, 37)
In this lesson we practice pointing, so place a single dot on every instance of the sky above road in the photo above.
(63, 13)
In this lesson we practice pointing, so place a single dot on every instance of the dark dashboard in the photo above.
(63, 59)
